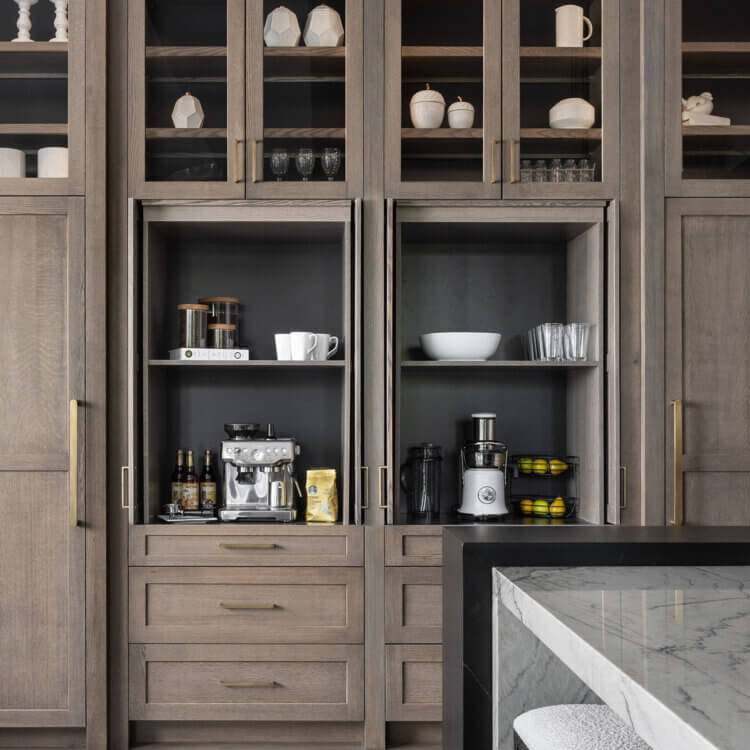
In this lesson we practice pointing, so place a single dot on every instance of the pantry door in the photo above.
(42, 404)
(707, 409)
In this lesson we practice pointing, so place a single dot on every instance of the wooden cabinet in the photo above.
(707, 372)
(43, 463)
(413, 605)
(414, 683)
(258, 101)
(414, 546)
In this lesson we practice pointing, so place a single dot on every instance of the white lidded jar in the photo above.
(461, 114)
(427, 108)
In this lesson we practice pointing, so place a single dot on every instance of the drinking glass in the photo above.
(279, 163)
(330, 161)
(540, 171)
(305, 162)
(587, 170)
(527, 173)
(556, 173)
(550, 341)
(577, 341)
(571, 173)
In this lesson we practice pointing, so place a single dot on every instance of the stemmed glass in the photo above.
(330, 161)
(305, 162)
(279, 163)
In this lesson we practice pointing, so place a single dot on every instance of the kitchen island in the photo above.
(667, 648)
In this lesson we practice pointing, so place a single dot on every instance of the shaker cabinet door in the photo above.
(42, 463)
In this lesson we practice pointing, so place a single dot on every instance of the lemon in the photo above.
(540, 521)
(557, 507)
(540, 466)
(541, 508)
(556, 466)
(525, 465)
(527, 506)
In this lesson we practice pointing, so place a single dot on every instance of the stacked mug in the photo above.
(304, 346)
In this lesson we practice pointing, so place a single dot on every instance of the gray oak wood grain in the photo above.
(414, 546)
(413, 605)
(414, 682)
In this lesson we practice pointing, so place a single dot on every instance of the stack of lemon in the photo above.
(542, 466)
(543, 508)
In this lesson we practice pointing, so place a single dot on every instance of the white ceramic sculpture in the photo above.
(461, 114)
(61, 20)
(427, 108)
(187, 112)
(52, 161)
(696, 110)
(24, 20)
(12, 162)
(572, 114)
(324, 28)
(282, 28)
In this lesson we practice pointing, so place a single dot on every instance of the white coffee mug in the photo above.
(569, 22)
(12, 162)
(283, 346)
(303, 344)
(326, 348)
(52, 161)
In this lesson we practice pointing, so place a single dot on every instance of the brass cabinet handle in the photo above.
(623, 487)
(381, 504)
(125, 504)
(493, 166)
(271, 684)
(366, 488)
(248, 546)
(678, 499)
(247, 606)
(513, 162)
(255, 160)
(237, 160)
(73, 458)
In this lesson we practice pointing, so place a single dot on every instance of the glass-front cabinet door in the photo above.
(442, 98)
(707, 103)
(186, 92)
(43, 87)
(560, 98)
(304, 98)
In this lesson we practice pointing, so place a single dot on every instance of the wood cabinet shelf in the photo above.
(153, 134)
(716, 60)
(339, 133)
(182, 52)
(33, 129)
(331, 364)
(561, 134)
(559, 64)
(514, 364)
(304, 52)
(440, 133)
(730, 131)
(440, 52)
(37, 48)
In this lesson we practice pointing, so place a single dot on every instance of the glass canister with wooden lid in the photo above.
(222, 310)
(193, 326)
(222, 336)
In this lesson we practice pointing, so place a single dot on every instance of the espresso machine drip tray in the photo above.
(280, 515)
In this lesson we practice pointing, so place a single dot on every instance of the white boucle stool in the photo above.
(577, 727)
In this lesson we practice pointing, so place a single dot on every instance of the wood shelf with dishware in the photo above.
(155, 134)
(512, 364)
(331, 364)
(716, 60)
(440, 133)
(154, 52)
(34, 128)
(561, 134)
(311, 133)
(34, 48)
(298, 52)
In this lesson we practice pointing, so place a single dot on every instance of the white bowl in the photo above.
(460, 346)
(572, 113)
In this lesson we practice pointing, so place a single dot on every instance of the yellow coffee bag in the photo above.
(322, 496)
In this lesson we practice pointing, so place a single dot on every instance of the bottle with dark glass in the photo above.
(190, 494)
(178, 476)
(208, 484)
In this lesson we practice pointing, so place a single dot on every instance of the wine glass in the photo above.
(305, 162)
(330, 161)
(279, 163)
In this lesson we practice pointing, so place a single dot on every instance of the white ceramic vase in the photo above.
(282, 28)
(61, 21)
(24, 20)
(12, 162)
(461, 114)
(188, 112)
(52, 161)
(324, 28)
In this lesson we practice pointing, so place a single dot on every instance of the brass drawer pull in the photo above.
(73, 458)
(249, 546)
(514, 161)
(245, 606)
(678, 498)
(238, 160)
(366, 488)
(382, 505)
(271, 684)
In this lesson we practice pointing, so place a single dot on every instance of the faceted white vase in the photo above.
(324, 28)
(282, 28)
(187, 112)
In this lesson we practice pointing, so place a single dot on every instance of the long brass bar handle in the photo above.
(242, 606)
(124, 496)
(73, 458)
(249, 546)
(237, 160)
(381, 504)
(270, 684)
(514, 162)
(678, 499)
(254, 160)
(366, 488)
(493, 165)
(623, 487)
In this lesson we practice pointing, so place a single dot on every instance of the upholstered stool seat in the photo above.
(577, 727)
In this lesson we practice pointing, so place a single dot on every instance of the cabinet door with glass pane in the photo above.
(560, 99)
(186, 106)
(707, 98)
(42, 87)
(442, 98)
(304, 98)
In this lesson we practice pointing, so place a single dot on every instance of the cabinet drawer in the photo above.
(414, 605)
(233, 545)
(414, 683)
(409, 545)
(246, 605)
(219, 682)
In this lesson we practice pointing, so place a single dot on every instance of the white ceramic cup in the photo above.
(569, 23)
(12, 162)
(327, 346)
(303, 344)
(52, 162)
(283, 347)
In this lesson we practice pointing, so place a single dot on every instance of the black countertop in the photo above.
(470, 553)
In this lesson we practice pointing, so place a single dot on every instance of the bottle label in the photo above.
(190, 500)
(208, 496)
(176, 494)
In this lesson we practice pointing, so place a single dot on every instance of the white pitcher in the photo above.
(569, 23)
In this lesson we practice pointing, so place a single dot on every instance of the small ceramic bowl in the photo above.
(572, 113)
(461, 114)
(427, 108)
(460, 346)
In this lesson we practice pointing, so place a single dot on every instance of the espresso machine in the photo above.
(483, 469)
(259, 481)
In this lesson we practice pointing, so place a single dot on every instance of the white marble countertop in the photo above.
(667, 648)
